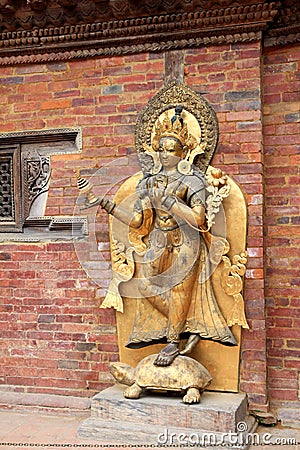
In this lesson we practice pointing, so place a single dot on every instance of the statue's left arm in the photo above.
(133, 219)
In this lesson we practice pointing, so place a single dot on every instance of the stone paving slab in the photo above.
(43, 431)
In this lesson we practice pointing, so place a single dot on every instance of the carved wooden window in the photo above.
(10, 192)
(25, 177)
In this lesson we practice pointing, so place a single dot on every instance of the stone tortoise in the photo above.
(185, 374)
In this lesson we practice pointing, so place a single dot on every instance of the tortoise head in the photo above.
(122, 372)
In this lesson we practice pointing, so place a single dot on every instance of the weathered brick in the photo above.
(5, 256)
(241, 95)
(46, 318)
(85, 346)
(294, 117)
(68, 364)
(115, 89)
(12, 80)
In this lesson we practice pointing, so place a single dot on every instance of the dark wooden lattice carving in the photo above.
(7, 209)
(10, 214)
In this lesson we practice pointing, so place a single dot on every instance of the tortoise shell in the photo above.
(183, 373)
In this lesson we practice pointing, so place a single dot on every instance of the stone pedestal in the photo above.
(221, 419)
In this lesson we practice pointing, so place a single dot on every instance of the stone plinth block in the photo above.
(162, 419)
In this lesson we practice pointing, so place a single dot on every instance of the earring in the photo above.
(184, 167)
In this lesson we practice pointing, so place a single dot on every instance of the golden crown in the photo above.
(174, 127)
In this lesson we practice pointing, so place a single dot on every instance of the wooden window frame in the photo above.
(27, 148)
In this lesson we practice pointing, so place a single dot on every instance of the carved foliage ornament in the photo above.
(218, 189)
(37, 176)
(232, 284)
(123, 268)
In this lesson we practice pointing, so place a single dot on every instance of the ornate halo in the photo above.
(193, 103)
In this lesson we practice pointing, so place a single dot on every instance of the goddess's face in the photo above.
(170, 152)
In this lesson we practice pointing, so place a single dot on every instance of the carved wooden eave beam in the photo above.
(286, 26)
(43, 31)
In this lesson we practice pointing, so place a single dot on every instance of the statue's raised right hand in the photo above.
(107, 205)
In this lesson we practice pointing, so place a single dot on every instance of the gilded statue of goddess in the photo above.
(170, 248)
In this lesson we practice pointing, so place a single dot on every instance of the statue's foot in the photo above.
(190, 344)
(192, 396)
(167, 355)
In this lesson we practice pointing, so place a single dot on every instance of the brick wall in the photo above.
(55, 337)
(50, 339)
(281, 148)
(231, 78)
